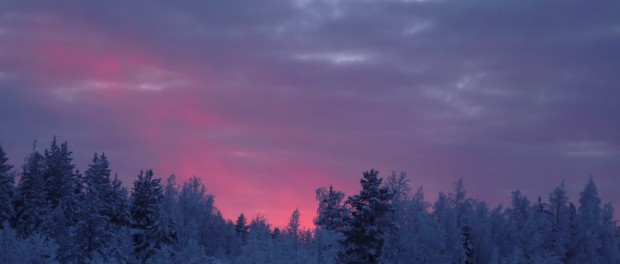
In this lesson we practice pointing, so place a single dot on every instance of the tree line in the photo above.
(50, 212)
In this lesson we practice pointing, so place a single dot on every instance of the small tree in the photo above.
(330, 212)
(241, 227)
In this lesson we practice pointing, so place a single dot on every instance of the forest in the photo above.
(50, 212)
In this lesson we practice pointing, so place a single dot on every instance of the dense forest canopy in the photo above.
(50, 212)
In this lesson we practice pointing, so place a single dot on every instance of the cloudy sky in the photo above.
(268, 100)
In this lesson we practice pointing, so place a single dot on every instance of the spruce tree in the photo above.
(560, 212)
(293, 234)
(363, 241)
(154, 230)
(6, 189)
(589, 223)
(241, 227)
(330, 212)
(59, 174)
(60, 193)
(120, 216)
(31, 204)
(610, 250)
(92, 234)
(97, 181)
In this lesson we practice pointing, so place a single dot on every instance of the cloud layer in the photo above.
(268, 100)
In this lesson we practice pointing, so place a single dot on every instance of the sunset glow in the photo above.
(266, 102)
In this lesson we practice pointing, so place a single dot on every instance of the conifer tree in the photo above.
(559, 210)
(293, 234)
(16, 249)
(97, 182)
(59, 174)
(258, 248)
(293, 224)
(399, 186)
(6, 189)
(363, 241)
(60, 193)
(330, 213)
(589, 224)
(31, 204)
(92, 234)
(154, 230)
(241, 227)
(329, 224)
(610, 250)
(120, 215)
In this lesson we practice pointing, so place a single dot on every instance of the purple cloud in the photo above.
(267, 101)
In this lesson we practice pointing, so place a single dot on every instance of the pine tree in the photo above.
(364, 231)
(6, 189)
(258, 248)
(610, 250)
(171, 197)
(98, 175)
(31, 204)
(92, 234)
(154, 229)
(97, 182)
(120, 216)
(589, 224)
(59, 174)
(59, 182)
(330, 211)
(241, 227)
(293, 233)
(560, 219)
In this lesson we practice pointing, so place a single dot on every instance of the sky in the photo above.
(266, 101)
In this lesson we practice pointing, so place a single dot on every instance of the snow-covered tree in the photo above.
(59, 174)
(200, 219)
(589, 224)
(481, 235)
(610, 249)
(7, 182)
(31, 205)
(119, 202)
(56, 214)
(92, 234)
(364, 232)
(560, 212)
(154, 231)
(15, 249)
(420, 237)
(171, 198)
(326, 245)
(330, 213)
(258, 248)
(191, 253)
(292, 229)
(449, 231)
(241, 227)
(329, 224)
(399, 186)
